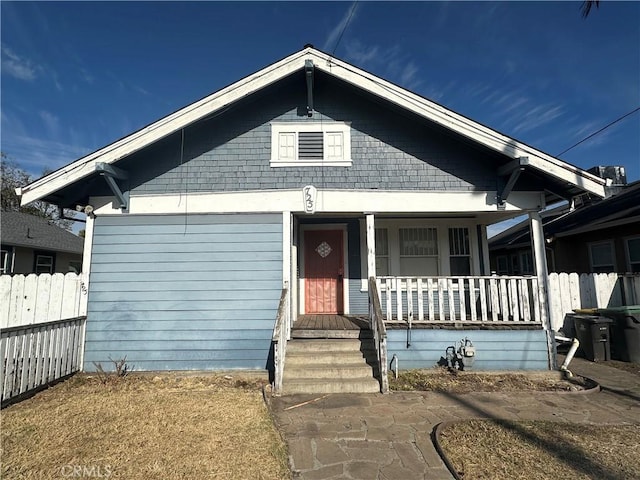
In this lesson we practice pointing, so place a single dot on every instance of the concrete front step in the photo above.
(370, 385)
(327, 371)
(330, 366)
(338, 345)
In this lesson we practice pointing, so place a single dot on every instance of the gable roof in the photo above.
(24, 230)
(573, 180)
(622, 208)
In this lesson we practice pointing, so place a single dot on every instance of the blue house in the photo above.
(279, 197)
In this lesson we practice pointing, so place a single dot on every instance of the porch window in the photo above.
(502, 265)
(459, 251)
(298, 144)
(382, 252)
(633, 254)
(418, 251)
(601, 256)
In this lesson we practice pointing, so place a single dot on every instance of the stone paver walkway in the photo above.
(373, 436)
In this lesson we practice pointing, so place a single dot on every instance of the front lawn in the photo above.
(143, 427)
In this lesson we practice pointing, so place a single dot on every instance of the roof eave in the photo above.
(425, 108)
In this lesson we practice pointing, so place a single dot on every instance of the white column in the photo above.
(540, 262)
(84, 276)
(286, 249)
(371, 246)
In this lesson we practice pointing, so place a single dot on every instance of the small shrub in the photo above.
(121, 369)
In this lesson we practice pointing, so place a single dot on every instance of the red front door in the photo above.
(324, 270)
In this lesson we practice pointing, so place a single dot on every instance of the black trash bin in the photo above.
(625, 332)
(593, 333)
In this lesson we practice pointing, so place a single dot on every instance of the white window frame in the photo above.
(628, 253)
(593, 266)
(328, 128)
(393, 236)
(460, 246)
(4, 261)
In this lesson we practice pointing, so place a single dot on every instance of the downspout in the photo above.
(575, 343)
(395, 370)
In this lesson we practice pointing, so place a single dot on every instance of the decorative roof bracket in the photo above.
(110, 174)
(308, 71)
(513, 170)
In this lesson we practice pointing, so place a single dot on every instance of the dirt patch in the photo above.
(443, 380)
(487, 449)
(142, 427)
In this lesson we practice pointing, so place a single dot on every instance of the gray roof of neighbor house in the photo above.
(623, 208)
(23, 230)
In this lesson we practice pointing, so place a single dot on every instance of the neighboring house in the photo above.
(594, 237)
(33, 244)
(310, 175)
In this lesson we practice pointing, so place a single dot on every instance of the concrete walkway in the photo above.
(374, 436)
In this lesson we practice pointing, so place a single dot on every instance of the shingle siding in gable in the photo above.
(231, 152)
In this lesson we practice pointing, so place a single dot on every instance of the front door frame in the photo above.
(345, 258)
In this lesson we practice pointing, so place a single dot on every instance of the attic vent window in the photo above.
(306, 144)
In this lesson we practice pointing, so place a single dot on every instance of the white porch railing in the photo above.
(460, 299)
(36, 355)
(281, 333)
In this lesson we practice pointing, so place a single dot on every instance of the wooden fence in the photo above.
(30, 299)
(569, 291)
(36, 355)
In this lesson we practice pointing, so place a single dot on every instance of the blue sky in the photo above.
(77, 76)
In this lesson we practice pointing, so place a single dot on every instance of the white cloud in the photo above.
(51, 122)
(17, 66)
(360, 54)
(86, 76)
(536, 117)
(408, 75)
(334, 34)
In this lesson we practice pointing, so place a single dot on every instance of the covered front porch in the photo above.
(427, 270)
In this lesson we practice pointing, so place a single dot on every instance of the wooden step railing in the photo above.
(376, 323)
(281, 334)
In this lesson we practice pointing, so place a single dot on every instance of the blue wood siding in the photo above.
(495, 349)
(175, 292)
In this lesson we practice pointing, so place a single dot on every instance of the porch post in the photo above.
(371, 246)
(540, 261)
(286, 258)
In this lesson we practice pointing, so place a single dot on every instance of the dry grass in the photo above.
(443, 380)
(144, 427)
(486, 449)
(626, 366)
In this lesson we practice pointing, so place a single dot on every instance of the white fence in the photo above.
(25, 300)
(569, 291)
(36, 355)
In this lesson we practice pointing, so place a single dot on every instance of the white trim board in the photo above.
(328, 201)
(219, 100)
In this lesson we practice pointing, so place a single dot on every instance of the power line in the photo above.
(599, 131)
(353, 9)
